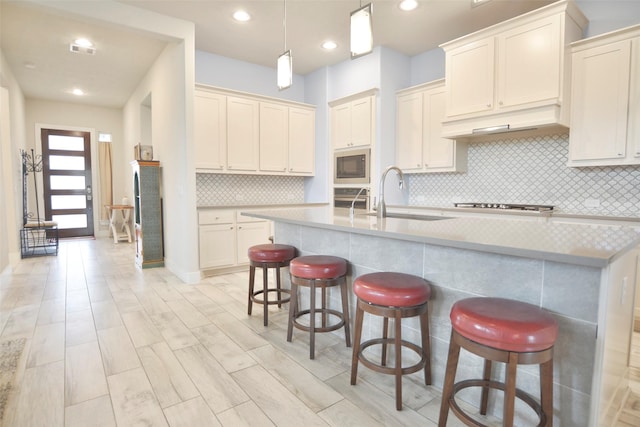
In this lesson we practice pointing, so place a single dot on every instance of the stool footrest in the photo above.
(321, 311)
(378, 367)
(254, 296)
(496, 385)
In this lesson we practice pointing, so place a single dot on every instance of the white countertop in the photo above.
(582, 244)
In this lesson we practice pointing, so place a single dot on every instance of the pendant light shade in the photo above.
(285, 70)
(361, 31)
(284, 66)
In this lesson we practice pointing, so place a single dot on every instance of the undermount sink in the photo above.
(411, 216)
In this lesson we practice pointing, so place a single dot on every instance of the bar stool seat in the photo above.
(397, 296)
(501, 330)
(268, 256)
(318, 272)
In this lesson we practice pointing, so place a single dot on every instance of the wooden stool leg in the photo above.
(278, 286)
(385, 333)
(484, 396)
(312, 319)
(398, 366)
(293, 310)
(426, 347)
(345, 311)
(510, 390)
(356, 342)
(265, 294)
(546, 390)
(252, 274)
(323, 292)
(449, 378)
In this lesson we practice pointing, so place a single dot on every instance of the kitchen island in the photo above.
(583, 274)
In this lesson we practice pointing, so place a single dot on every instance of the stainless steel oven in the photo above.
(345, 197)
(352, 166)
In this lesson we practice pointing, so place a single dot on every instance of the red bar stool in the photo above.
(268, 256)
(507, 331)
(318, 272)
(397, 296)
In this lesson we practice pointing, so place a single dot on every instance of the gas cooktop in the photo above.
(505, 206)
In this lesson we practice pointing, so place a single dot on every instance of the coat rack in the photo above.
(38, 237)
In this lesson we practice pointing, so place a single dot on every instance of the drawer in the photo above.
(216, 216)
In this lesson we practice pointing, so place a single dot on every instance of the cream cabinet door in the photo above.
(600, 99)
(210, 130)
(250, 234)
(361, 122)
(274, 125)
(409, 130)
(529, 63)
(242, 134)
(302, 139)
(217, 245)
(341, 126)
(439, 152)
(470, 74)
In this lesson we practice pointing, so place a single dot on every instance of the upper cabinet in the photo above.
(302, 140)
(512, 75)
(605, 116)
(419, 144)
(210, 130)
(352, 121)
(247, 134)
(243, 134)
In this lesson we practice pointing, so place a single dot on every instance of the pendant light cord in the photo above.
(284, 24)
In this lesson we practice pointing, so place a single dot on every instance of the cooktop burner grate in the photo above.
(505, 206)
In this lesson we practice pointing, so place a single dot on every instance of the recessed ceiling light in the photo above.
(475, 3)
(83, 42)
(29, 65)
(241, 16)
(329, 45)
(77, 92)
(408, 5)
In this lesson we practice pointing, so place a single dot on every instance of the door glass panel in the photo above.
(70, 221)
(66, 163)
(64, 182)
(68, 202)
(70, 143)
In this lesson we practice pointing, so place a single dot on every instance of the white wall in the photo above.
(70, 116)
(12, 140)
(220, 71)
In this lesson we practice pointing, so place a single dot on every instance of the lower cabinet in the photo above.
(225, 237)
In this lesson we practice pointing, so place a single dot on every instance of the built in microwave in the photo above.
(352, 166)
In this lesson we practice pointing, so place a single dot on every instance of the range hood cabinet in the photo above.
(514, 75)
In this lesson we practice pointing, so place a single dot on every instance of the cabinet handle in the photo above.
(418, 165)
(488, 105)
(500, 103)
(620, 154)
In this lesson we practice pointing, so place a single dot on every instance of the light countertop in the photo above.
(581, 244)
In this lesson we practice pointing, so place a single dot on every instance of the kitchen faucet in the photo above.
(382, 207)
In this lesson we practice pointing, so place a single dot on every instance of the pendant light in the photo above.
(361, 31)
(285, 64)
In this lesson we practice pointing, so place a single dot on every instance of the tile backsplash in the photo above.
(510, 170)
(532, 170)
(238, 190)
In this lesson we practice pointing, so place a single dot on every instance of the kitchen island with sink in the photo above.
(584, 275)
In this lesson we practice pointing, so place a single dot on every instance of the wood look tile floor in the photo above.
(112, 345)
(109, 344)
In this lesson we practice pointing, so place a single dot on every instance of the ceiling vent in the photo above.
(82, 49)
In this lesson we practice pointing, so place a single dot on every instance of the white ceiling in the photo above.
(35, 34)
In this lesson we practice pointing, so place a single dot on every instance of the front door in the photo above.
(66, 172)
